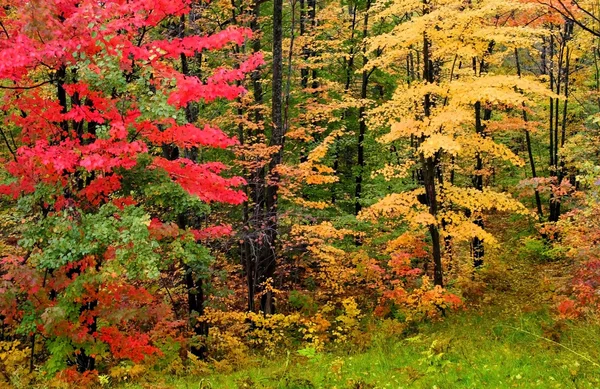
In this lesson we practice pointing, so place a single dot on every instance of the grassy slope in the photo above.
(509, 340)
(468, 350)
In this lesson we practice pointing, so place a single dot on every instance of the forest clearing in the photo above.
(350, 194)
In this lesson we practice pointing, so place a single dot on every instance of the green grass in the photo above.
(511, 342)
(467, 350)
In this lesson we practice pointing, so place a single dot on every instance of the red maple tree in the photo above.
(90, 94)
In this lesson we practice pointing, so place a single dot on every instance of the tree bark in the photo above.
(429, 172)
(557, 166)
(255, 246)
(362, 125)
(538, 200)
(268, 259)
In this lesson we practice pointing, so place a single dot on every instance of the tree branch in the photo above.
(564, 11)
(23, 87)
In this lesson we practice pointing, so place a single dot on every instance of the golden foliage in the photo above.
(485, 200)
(14, 364)
(397, 207)
(390, 172)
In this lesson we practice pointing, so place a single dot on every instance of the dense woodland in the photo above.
(188, 186)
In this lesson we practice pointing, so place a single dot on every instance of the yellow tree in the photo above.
(440, 113)
(326, 101)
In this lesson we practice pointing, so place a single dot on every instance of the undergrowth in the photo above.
(510, 336)
(468, 350)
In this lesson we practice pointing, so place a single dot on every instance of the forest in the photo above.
(270, 194)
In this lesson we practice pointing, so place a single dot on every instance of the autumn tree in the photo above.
(445, 115)
(100, 112)
(560, 61)
(583, 13)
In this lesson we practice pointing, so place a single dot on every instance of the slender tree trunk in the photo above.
(566, 103)
(557, 166)
(268, 258)
(288, 83)
(551, 116)
(195, 296)
(307, 24)
(83, 360)
(429, 173)
(362, 125)
(61, 94)
(349, 63)
(312, 15)
(255, 241)
(538, 200)
(477, 247)
(305, 50)
(193, 282)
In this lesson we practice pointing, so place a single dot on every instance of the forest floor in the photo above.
(510, 339)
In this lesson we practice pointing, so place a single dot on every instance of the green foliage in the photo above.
(540, 250)
(310, 353)
(65, 242)
(302, 302)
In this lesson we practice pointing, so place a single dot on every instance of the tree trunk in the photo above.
(349, 64)
(429, 173)
(255, 242)
(538, 200)
(477, 247)
(362, 126)
(429, 177)
(193, 282)
(557, 166)
(268, 259)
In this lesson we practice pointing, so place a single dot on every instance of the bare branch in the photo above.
(567, 13)
(23, 87)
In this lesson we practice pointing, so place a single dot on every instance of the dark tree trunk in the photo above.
(557, 167)
(82, 360)
(362, 125)
(429, 171)
(551, 116)
(477, 246)
(193, 282)
(195, 296)
(538, 200)
(429, 178)
(255, 246)
(349, 68)
(268, 258)
(305, 50)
